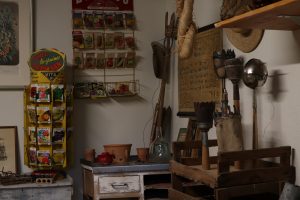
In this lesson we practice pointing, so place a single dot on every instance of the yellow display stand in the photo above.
(47, 111)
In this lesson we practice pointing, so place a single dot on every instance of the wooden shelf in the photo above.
(276, 16)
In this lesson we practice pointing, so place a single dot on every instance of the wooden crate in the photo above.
(256, 176)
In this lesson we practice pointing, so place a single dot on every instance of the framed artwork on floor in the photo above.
(15, 42)
(8, 149)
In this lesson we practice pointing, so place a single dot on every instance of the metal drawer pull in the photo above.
(119, 186)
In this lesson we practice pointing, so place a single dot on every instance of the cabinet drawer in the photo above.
(119, 184)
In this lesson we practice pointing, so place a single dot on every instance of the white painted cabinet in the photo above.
(132, 185)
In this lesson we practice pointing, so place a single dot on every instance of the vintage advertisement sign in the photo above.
(107, 5)
(47, 63)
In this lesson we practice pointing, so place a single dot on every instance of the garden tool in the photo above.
(204, 117)
(255, 75)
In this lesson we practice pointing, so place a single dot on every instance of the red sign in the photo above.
(111, 5)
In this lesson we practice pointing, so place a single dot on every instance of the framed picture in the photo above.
(8, 146)
(182, 135)
(15, 42)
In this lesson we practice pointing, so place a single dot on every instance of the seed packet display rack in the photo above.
(104, 46)
(47, 111)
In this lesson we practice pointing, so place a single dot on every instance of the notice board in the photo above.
(197, 81)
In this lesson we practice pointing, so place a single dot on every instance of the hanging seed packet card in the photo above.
(44, 114)
(109, 41)
(98, 20)
(58, 156)
(58, 135)
(88, 39)
(43, 93)
(109, 20)
(99, 40)
(32, 156)
(33, 92)
(119, 40)
(129, 41)
(119, 21)
(58, 113)
(58, 93)
(43, 157)
(100, 61)
(32, 115)
(120, 60)
(109, 63)
(78, 42)
(32, 134)
(130, 60)
(130, 21)
(98, 90)
(82, 90)
(43, 135)
(90, 61)
(77, 20)
(78, 60)
(88, 18)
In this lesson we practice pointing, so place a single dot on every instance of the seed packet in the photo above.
(120, 60)
(58, 135)
(44, 114)
(109, 20)
(33, 92)
(82, 90)
(119, 40)
(58, 156)
(43, 157)
(90, 61)
(58, 93)
(109, 60)
(43, 135)
(78, 60)
(99, 40)
(77, 20)
(129, 41)
(100, 61)
(130, 21)
(58, 113)
(43, 93)
(109, 41)
(98, 90)
(122, 88)
(88, 39)
(32, 115)
(130, 60)
(32, 134)
(119, 21)
(88, 19)
(98, 20)
(78, 42)
(32, 156)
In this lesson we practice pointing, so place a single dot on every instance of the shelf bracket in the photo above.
(295, 19)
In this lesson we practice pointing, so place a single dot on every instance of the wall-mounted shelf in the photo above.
(282, 15)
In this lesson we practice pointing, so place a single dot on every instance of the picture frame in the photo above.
(182, 135)
(8, 149)
(16, 44)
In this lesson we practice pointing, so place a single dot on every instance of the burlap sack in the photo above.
(229, 134)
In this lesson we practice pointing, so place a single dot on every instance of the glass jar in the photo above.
(159, 148)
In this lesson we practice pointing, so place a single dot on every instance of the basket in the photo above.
(121, 152)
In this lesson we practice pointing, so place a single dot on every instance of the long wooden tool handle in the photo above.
(205, 152)
(255, 131)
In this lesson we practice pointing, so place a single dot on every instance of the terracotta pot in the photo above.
(143, 154)
(120, 151)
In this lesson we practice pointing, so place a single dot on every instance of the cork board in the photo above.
(197, 81)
